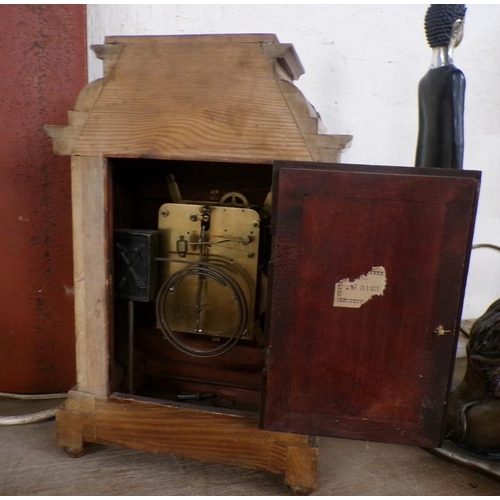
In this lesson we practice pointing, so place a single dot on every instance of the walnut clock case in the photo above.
(237, 290)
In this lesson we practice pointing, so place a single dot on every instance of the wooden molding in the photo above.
(64, 137)
(285, 53)
(109, 54)
(222, 38)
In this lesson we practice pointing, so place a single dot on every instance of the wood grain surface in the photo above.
(218, 436)
(194, 101)
(380, 372)
(91, 272)
(212, 97)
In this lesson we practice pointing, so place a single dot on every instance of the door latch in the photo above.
(440, 331)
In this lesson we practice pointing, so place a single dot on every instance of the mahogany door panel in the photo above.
(368, 277)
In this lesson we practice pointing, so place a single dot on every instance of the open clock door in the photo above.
(367, 285)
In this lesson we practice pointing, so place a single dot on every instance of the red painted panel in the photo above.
(43, 61)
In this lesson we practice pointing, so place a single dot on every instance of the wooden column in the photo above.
(91, 240)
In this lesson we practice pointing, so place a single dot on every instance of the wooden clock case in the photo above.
(220, 113)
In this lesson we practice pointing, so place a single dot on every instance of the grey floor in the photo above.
(32, 464)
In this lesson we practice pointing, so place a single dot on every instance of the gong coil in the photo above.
(202, 271)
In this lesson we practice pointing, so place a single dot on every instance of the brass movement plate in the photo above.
(204, 305)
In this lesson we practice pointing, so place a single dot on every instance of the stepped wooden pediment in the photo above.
(221, 98)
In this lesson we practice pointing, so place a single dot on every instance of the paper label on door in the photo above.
(355, 293)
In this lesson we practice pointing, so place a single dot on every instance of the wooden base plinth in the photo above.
(212, 436)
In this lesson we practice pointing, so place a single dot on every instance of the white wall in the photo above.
(363, 64)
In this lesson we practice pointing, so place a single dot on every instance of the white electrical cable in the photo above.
(30, 418)
(9, 395)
